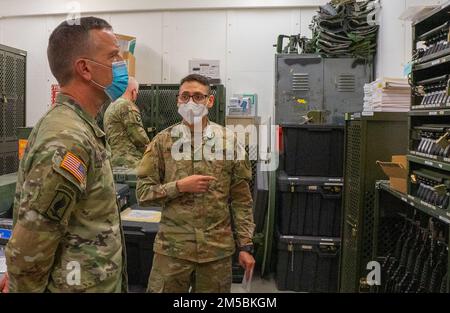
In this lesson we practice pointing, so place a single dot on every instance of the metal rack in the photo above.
(12, 105)
(368, 138)
(409, 242)
(428, 195)
(159, 109)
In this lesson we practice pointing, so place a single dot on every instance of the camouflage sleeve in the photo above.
(45, 204)
(135, 130)
(150, 189)
(241, 201)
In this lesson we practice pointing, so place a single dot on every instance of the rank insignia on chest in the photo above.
(74, 166)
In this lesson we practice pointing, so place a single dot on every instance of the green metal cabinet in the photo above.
(12, 105)
(7, 191)
(159, 110)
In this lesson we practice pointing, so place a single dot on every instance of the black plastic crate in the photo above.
(308, 264)
(123, 195)
(309, 206)
(139, 239)
(313, 150)
(126, 176)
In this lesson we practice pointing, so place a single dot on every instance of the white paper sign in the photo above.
(208, 68)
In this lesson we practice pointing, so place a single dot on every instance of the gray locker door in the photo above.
(344, 81)
(298, 86)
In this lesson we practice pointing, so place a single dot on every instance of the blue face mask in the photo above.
(119, 82)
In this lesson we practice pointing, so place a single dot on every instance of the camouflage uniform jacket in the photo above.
(197, 227)
(125, 133)
(67, 235)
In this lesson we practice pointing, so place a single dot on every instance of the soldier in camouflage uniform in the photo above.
(200, 196)
(124, 130)
(67, 235)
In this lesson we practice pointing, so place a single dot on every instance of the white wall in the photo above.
(241, 39)
(11, 8)
(169, 33)
(394, 41)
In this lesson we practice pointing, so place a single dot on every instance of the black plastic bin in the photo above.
(313, 150)
(123, 195)
(309, 206)
(139, 239)
(308, 264)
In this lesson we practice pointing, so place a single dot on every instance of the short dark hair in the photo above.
(69, 41)
(197, 78)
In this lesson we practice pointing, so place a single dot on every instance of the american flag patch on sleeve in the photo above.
(74, 166)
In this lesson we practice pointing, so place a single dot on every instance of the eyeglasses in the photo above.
(197, 97)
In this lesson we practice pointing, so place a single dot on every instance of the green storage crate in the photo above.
(7, 192)
(123, 175)
(367, 140)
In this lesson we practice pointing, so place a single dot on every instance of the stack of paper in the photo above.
(387, 95)
(148, 216)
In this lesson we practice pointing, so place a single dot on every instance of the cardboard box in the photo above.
(131, 63)
(127, 43)
(243, 120)
(397, 171)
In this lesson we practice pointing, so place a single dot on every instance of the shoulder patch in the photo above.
(74, 166)
(138, 118)
(60, 203)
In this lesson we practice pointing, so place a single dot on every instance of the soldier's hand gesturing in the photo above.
(194, 183)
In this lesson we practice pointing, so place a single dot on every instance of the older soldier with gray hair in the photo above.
(124, 130)
(67, 235)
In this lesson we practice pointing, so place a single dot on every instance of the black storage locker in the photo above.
(139, 239)
(309, 206)
(313, 150)
(308, 264)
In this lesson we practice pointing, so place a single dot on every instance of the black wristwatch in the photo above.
(248, 248)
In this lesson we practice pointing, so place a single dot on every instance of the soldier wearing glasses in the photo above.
(201, 198)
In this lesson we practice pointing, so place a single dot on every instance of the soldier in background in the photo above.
(67, 235)
(194, 245)
(124, 130)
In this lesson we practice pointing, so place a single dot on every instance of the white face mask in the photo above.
(192, 112)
